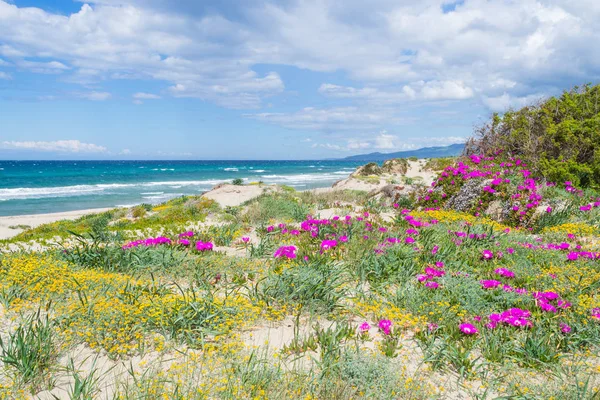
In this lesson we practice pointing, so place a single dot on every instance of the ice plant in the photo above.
(286, 252)
(204, 246)
(385, 325)
(328, 244)
(468, 329)
(504, 272)
(364, 327)
(490, 283)
(487, 255)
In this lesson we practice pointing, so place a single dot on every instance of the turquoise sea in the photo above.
(35, 187)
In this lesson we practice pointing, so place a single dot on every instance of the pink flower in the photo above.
(468, 329)
(487, 255)
(343, 239)
(328, 244)
(409, 240)
(490, 284)
(364, 327)
(505, 273)
(432, 285)
(184, 242)
(204, 246)
(245, 239)
(385, 325)
(285, 251)
(564, 328)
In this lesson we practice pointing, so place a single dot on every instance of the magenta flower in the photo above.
(487, 255)
(364, 327)
(245, 239)
(564, 328)
(204, 246)
(328, 244)
(432, 285)
(505, 272)
(490, 284)
(184, 242)
(343, 239)
(270, 228)
(468, 329)
(409, 240)
(285, 251)
(385, 325)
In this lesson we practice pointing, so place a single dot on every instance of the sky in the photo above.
(287, 79)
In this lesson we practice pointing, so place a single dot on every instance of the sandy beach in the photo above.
(35, 220)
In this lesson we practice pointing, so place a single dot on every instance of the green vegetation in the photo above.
(559, 137)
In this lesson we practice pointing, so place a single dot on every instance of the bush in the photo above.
(238, 181)
(559, 137)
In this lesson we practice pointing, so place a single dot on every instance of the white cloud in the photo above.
(392, 52)
(125, 152)
(61, 146)
(331, 119)
(385, 141)
(5, 75)
(505, 101)
(95, 96)
(145, 96)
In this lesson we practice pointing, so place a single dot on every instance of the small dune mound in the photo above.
(228, 195)
(395, 166)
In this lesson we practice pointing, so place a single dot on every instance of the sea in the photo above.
(37, 187)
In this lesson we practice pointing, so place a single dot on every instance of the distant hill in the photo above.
(425, 152)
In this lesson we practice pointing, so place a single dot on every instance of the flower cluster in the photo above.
(147, 242)
(204, 246)
(286, 252)
(513, 317)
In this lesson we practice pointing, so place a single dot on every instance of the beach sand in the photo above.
(39, 219)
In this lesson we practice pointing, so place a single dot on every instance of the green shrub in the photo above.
(238, 181)
(559, 137)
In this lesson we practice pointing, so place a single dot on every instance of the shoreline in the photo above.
(35, 220)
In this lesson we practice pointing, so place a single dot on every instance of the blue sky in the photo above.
(288, 79)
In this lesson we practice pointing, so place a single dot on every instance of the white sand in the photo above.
(415, 171)
(234, 195)
(39, 219)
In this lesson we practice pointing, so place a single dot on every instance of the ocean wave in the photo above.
(259, 171)
(231, 169)
(301, 178)
(86, 190)
(163, 169)
(151, 193)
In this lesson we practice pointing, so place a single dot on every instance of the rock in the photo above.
(465, 199)
(495, 210)
(389, 191)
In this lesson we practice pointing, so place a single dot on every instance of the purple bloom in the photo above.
(564, 328)
(328, 244)
(468, 329)
(490, 284)
(487, 255)
(432, 285)
(204, 246)
(385, 325)
(505, 272)
(285, 251)
(364, 327)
